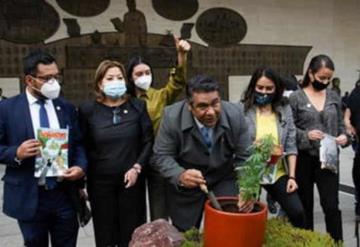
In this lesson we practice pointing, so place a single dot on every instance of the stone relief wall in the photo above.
(78, 55)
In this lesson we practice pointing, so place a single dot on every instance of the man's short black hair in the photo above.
(34, 58)
(201, 84)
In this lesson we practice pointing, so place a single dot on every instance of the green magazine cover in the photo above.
(53, 160)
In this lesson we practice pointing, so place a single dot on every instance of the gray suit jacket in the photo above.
(285, 125)
(179, 146)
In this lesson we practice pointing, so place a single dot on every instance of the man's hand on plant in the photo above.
(291, 186)
(191, 178)
(245, 206)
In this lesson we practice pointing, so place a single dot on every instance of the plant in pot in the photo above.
(231, 227)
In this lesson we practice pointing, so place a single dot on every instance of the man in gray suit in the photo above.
(200, 141)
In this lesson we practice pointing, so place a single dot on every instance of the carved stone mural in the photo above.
(176, 10)
(27, 22)
(79, 54)
(220, 27)
(134, 26)
(84, 8)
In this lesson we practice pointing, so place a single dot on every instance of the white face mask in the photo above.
(143, 82)
(50, 89)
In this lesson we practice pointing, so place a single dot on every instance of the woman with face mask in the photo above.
(317, 112)
(141, 76)
(118, 139)
(267, 114)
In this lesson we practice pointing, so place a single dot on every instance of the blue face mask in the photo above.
(263, 98)
(114, 89)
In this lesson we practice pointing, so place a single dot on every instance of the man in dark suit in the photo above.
(200, 140)
(41, 208)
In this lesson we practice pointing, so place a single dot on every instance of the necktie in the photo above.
(206, 136)
(50, 182)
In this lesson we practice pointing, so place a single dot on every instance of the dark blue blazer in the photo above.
(20, 185)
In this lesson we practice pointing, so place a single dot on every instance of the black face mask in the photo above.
(262, 99)
(319, 86)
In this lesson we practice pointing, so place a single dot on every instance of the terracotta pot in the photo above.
(225, 229)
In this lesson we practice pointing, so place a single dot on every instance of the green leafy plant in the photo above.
(192, 238)
(279, 233)
(249, 173)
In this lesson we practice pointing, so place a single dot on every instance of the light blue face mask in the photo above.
(115, 89)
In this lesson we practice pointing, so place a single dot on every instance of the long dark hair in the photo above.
(249, 94)
(316, 63)
(133, 62)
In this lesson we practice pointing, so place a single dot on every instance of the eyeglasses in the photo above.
(116, 116)
(48, 78)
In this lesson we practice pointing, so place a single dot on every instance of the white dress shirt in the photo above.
(35, 116)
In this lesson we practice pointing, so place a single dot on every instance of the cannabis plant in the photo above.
(251, 171)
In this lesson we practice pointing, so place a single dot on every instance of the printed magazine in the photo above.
(53, 160)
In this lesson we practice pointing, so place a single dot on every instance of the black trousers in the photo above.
(356, 179)
(116, 211)
(289, 202)
(157, 188)
(56, 216)
(308, 172)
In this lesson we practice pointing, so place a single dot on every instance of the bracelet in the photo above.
(137, 169)
(291, 177)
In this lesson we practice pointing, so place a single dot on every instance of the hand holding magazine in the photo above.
(53, 160)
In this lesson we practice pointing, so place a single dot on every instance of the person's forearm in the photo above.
(347, 116)
(291, 159)
(182, 58)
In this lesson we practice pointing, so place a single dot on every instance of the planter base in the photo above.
(234, 229)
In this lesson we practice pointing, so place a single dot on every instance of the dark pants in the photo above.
(117, 211)
(157, 187)
(308, 172)
(55, 215)
(289, 202)
(356, 179)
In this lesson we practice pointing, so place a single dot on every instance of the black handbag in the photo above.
(83, 212)
(80, 203)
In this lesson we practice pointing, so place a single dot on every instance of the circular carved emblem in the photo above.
(220, 27)
(84, 8)
(28, 22)
(176, 10)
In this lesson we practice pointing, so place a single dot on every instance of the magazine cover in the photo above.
(53, 160)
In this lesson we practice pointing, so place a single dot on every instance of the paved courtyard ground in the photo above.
(10, 235)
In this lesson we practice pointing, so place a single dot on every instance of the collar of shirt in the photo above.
(144, 95)
(200, 126)
(33, 100)
(34, 112)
